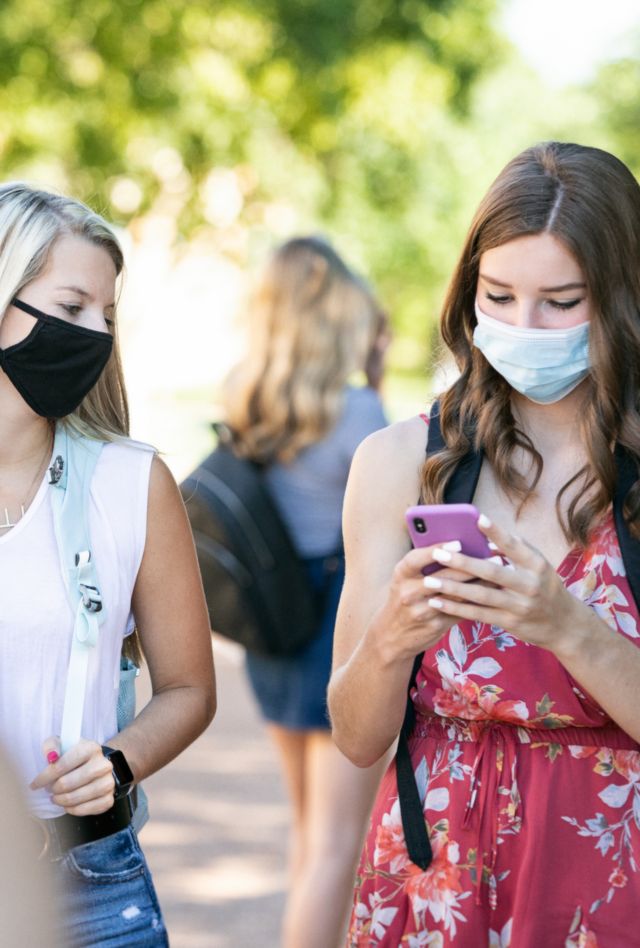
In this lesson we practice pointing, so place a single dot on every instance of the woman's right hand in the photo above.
(405, 625)
(81, 780)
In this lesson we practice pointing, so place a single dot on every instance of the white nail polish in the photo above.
(453, 545)
(442, 556)
(496, 559)
(435, 603)
(484, 521)
(492, 546)
(432, 583)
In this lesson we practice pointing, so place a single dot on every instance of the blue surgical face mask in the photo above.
(542, 364)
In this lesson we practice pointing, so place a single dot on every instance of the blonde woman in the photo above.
(60, 375)
(313, 324)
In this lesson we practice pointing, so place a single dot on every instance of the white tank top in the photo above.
(36, 621)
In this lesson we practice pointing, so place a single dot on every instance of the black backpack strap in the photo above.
(462, 484)
(627, 475)
(411, 812)
(460, 489)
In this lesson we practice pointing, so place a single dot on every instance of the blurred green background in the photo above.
(209, 130)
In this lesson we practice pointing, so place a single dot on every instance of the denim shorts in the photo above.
(292, 690)
(107, 894)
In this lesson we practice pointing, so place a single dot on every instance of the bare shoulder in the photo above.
(163, 487)
(169, 552)
(161, 480)
(165, 507)
(389, 462)
(384, 481)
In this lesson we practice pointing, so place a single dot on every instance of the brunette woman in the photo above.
(526, 699)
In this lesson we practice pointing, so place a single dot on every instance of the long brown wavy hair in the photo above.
(589, 200)
(312, 323)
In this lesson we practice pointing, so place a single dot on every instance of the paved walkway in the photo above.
(216, 839)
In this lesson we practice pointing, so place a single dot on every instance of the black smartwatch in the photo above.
(121, 771)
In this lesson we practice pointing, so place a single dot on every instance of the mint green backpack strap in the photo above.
(75, 459)
(74, 462)
(126, 709)
(126, 713)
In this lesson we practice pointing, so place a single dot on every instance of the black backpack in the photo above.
(460, 489)
(257, 589)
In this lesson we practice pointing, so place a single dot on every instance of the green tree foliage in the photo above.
(81, 79)
(616, 89)
(344, 111)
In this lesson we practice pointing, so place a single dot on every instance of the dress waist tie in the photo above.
(493, 778)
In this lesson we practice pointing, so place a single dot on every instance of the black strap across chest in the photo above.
(460, 490)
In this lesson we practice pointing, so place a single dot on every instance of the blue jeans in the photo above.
(108, 898)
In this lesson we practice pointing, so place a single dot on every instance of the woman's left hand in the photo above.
(526, 597)
(81, 780)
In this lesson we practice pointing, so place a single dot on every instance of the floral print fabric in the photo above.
(531, 795)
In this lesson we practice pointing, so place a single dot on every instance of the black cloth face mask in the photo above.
(56, 364)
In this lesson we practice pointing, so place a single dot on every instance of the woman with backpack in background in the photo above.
(516, 820)
(289, 405)
(63, 620)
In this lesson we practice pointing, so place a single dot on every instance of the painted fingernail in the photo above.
(492, 546)
(454, 545)
(442, 556)
(435, 603)
(496, 559)
(483, 521)
(53, 756)
(432, 583)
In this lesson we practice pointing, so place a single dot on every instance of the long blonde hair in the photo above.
(312, 323)
(31, 220)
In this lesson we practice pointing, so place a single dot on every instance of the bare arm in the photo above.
(383, 621)
(173, 623)
(607, 665)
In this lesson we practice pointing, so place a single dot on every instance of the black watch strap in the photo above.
(122, 773)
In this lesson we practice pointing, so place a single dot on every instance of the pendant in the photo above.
(7, 523)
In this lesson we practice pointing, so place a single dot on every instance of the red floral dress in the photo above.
(531, 795)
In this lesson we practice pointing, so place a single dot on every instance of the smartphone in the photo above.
(437, 523)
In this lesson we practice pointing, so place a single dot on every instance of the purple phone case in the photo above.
(448, 522)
